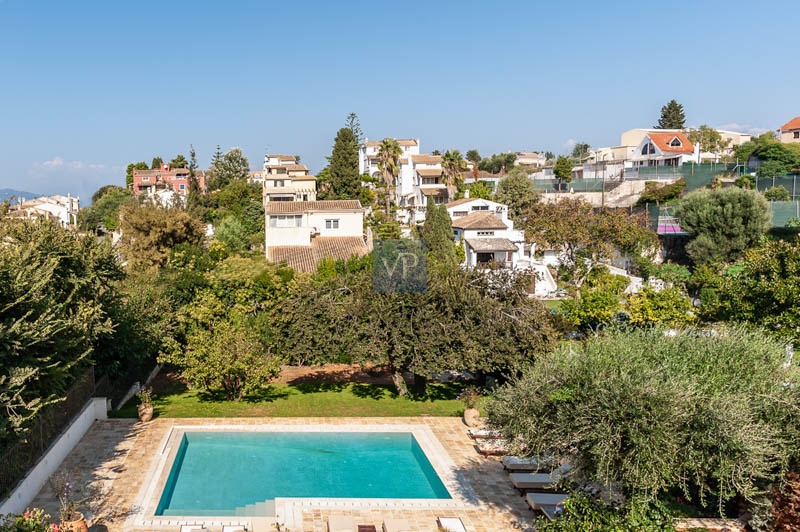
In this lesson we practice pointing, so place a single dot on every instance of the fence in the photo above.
(782, 211)
(789, 182)
(576, 185)
(20, 456)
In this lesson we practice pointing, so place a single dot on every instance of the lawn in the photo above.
(303, 400)
(552, 304)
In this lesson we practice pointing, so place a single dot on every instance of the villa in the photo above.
(165, 178)
(63, 209)
(302, 233)
(790, 131)
(368, 155)
(285, 179)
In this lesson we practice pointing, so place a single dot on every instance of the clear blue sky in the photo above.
(89, 86)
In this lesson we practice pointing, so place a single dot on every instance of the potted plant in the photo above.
(145, 396)
(69, 498)
(33, 520)
(469, 396)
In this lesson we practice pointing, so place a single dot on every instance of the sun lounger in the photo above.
(536, 481)
(450, 524)
(520, 464)
(192, 528)
(491, 447)
(481, 434)
(550, 504)
(234, 528)
(396, 525)
(341, 523)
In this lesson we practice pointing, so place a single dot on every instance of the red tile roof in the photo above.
(306, 258)
(479, 220)
(662, 141)
(794, 123)
(294, 207)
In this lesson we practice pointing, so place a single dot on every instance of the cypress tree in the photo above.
(437, 231)
(672, 116)
(343, 166)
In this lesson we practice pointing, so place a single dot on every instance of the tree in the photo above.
(230, 167)
(452, 165)
(479, 189)
(563, 169)
(778, 193)
(151, 231)
(594, 308)
(474, 157)
(194, 185)
(710, 413)
(665, 307)
(233, 234)
(580, 150)
(437, 232)
(672, 116)
(129, 172)
(773, 168)
(580, 232)
(354, 125)
(722, 223)
(217, 157)
(499, 162)
(102, 191)
(388, 157)
(709, 139)
(761, 289)
(345, 181)
(227, 355)
(105, 210)
(179, 162)
(157, 163)
(519, 194)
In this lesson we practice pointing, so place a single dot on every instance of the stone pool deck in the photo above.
(116, 455)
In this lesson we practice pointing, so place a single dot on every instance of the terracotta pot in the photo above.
(76, 525)
(145, 413)
(472, 418)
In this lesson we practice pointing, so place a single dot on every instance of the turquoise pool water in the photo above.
(220, 473)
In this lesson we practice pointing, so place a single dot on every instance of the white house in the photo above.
(302, 233)
(63, 209)
(368, 155)
(284, 179)
(532, 159)
(487, 235)
(664, 148)
(420, 176)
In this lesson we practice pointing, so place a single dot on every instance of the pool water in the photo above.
(220, 473)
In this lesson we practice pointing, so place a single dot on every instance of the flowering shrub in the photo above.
(145, 396)
(469, 396)
(34, 520)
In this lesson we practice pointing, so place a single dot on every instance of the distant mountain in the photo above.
(6, 193)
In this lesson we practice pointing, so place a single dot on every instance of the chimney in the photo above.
(466, 194)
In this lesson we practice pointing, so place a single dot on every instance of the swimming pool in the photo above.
(221, 473)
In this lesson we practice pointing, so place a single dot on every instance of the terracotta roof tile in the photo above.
(284, 207)
(662, 141)
(794, 123)
(306, 258)
(491, 244)
(426, 159)
(430, 172)
(456, 203)
(479, 220)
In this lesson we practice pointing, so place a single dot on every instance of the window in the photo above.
(796, 135)
(676, 143)
(183, 187)
(485, 233)
(438, 200)
(430, 180)
(456, 214)
(145, 179)
(331, 224)
(648, 149)
(285, 220)
(279, 182)
(480, 207)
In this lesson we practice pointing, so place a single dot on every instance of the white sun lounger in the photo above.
(341, 523)
(234, 528)
(450, 524)
(518, 464)
(192, 528)
(550, 504)
(396, 525)
(537, 481)
(480, 434)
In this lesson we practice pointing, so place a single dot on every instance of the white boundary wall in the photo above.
(26, 491)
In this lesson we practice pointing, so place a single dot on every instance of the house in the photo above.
(62, 209)
(368, 155)
(301, 233)
(487, 235)
(285, 179)
(664, 148)
(790, 131)
(633, 137)
(530, 159)
(165, 178)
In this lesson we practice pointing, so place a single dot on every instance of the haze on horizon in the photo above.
(90, 87)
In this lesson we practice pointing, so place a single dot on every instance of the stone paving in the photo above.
(116, 455)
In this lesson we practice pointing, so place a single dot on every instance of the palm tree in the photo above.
(453, 164)
(389, 154)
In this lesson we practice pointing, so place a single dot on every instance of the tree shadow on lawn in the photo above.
(439, 392)
(266, 394)
(318, 386)
(371, 391)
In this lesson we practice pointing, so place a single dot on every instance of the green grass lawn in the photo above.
(552, 304)
(303, 400)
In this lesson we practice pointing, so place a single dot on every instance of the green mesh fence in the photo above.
(576, 185)
(789, 182)
(782, 211)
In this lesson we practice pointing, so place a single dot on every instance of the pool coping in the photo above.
(289, 511)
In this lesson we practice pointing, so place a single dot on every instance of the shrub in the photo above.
(655, 192)
(778, 193)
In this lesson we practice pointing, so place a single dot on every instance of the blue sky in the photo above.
(89, 86)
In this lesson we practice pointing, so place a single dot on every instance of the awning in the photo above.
(491, 244)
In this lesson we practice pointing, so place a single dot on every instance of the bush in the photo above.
(583, 513)
(654, 192)
(778, 193)
(34, 520)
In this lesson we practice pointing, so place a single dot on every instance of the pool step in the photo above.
(259, 509)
